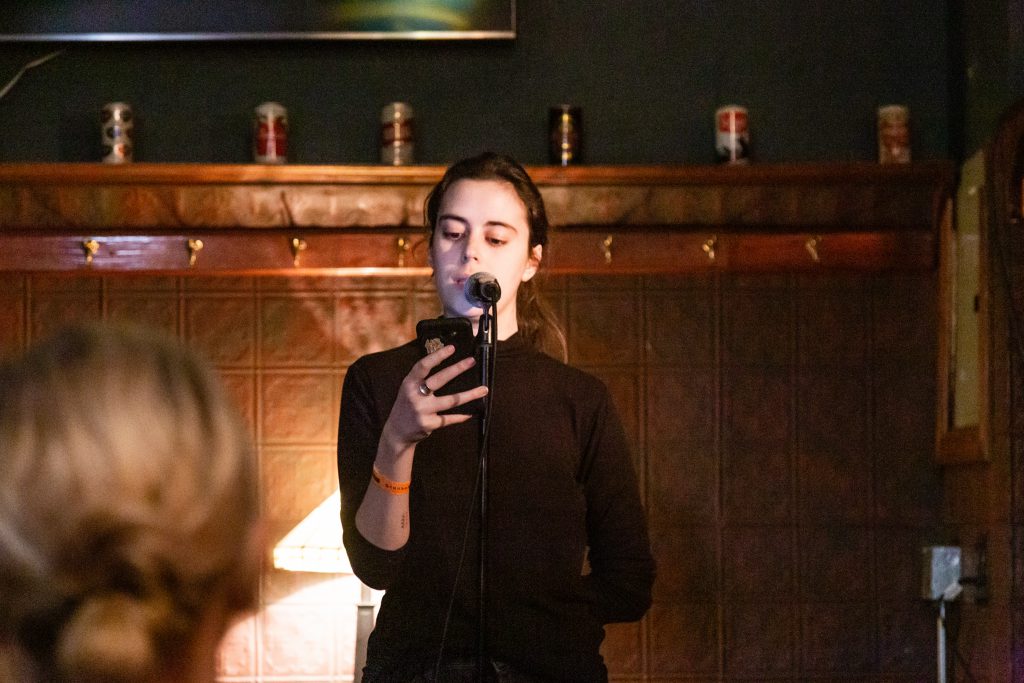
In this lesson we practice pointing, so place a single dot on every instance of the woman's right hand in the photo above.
(416, 412)
(383, 516)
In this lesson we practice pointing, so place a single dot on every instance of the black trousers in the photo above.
(458, 671)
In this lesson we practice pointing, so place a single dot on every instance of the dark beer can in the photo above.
(117, 130)
(565, 130)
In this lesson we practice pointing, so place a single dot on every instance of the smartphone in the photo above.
(434, 333)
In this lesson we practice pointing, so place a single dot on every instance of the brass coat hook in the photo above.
(606, 245)
(90, 247)
(709, 247)
(402, 246)
(194, 247)
(299, 245)
(812, 247)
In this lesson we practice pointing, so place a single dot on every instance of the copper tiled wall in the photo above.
(783, 432)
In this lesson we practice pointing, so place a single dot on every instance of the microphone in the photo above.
(482, 289)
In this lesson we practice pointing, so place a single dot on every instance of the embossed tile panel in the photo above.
(759, 640)
(757, 484)
(906, 638)
(682, 484)
(682, 405)
(758, 563)
(241, 388)
(623, 649)
(84, 284)
(299, 407)
(295, 481)
(684, 639)
(141, 283)
(237, 654)
(757, 322)
(1012, 470)
(1016, 532)
(12, 315)
(681, 326)
(682, 457)
(782, 424)
(838, 639)
(834, 563)
(296, 330)
(903, 320)
(372, 322)
(1017, 641)
(604, 326)
(223, 327)
(294, 643)
(898, 560)
(158, 310)
(835, 467)
(52, 309)
(688, 564)
(834, 321)
(202, 283)
(757, 407)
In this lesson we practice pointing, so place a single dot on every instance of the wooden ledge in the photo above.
(831, 173)
(618, 219)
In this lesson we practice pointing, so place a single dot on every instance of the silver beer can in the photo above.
(397, 134)
(732, 135)
(117, 127)
(270, 134)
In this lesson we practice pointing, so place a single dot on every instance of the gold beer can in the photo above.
(893, 134)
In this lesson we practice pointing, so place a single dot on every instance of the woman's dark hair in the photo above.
(537, 322)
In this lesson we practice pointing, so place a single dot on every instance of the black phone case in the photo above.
(434, 333)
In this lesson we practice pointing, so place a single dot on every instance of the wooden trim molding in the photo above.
(369, 219)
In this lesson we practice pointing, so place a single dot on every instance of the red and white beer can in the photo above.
(732, 135)
(118, 125)
(270, 134)
(893, 134)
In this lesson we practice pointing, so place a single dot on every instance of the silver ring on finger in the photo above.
(424, 390)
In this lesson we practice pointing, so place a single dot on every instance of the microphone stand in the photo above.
(487, 333)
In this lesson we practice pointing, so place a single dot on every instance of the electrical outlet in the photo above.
(940, 572)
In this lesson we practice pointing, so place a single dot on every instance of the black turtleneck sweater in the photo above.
(568, 549)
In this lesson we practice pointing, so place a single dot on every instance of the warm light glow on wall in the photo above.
(314, 545)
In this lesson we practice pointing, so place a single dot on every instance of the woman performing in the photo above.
(567, 547)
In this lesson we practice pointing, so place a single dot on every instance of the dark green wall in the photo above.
(648, 74)
(993, 38)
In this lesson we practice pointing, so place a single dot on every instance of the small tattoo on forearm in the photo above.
(403, 521)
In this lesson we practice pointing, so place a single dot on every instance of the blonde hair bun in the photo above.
(109, 638)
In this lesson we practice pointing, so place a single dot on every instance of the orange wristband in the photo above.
(395, 488)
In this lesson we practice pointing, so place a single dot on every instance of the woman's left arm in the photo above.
(621, 566)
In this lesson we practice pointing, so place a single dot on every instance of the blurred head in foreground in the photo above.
(128, 517)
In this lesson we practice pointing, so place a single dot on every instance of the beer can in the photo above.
(565, 135)
(893, 134)
(270, 134)
(732, 135)
(397, 134)
(117, 126)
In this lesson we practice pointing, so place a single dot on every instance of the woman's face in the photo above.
(482, 227)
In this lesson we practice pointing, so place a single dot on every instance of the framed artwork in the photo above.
(963, 383)
(184, 20)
